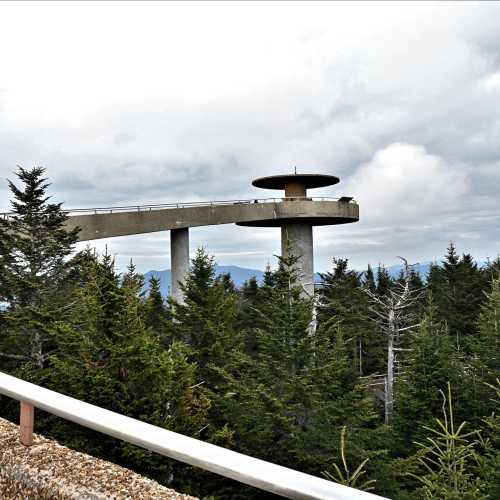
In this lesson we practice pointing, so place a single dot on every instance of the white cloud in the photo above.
(405, 184)
(129, 103)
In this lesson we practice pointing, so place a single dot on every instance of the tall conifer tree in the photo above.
(33, 253)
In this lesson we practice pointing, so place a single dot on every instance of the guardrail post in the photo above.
(26, 421)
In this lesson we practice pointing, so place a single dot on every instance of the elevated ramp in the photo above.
(99, 223)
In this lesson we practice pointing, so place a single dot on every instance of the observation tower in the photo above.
(294, 212)
(297, 230)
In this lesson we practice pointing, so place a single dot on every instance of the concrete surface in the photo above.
(270, 214)
(297, 241)
(179, 257)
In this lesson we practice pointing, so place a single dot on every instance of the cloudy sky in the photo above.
(128, 103)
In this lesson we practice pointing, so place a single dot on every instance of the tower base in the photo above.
(297, 241)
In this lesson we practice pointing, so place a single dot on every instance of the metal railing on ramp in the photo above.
(165, 206)
(243, 468)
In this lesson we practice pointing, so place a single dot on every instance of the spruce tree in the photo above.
(207, 321)
(431, 362)
(458, 287)
(34, 251)
(369, 279)
(249, 316)
(156, 313)
(343, 301)
(384, 280)
(108, 357)
(296, 390)
(483, 360)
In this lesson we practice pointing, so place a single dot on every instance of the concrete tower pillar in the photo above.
(297, 229)
(295, 189)
(297, 240)
(179, 261)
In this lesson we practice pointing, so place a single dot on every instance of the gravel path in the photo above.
(48, 470)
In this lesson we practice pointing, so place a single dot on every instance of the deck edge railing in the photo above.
(165, 206)
(243, 468)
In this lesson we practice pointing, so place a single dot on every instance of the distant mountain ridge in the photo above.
(238, 274)
(241, 274)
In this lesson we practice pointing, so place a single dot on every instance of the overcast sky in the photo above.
(128, 103)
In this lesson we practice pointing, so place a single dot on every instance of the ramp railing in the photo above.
(243, 468)
(164, 206)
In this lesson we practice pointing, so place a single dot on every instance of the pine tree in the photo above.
(207, 321)
(249, 316)
(226, 281)
(267, 396)
(492, 269)
(483, 360)
(384, 281)
(156, 314)
(108, 357)
(133, 280)
(344, 301)
(457, 287)
(486, 346)
(296, 390)
(33, 253)
(369, 279)
(448, 456)
(431, 362)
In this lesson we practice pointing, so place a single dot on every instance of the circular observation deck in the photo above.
(308, 211)
(296, 207)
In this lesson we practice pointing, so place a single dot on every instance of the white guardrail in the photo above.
(163, 206)
(243, 468)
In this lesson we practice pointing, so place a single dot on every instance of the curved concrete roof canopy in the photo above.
(307, 180)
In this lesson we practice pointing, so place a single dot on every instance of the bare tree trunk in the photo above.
(389, 386)
(394, 318)
(36, 350)
(313, 325)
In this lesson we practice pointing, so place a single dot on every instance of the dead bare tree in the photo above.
(393, 314)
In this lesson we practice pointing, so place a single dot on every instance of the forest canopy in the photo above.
(366, 383)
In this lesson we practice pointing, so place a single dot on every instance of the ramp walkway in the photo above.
(107, 222)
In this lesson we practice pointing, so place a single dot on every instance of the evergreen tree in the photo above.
(448, 456)
(33, 255)
(384, 281)
(430, 364)
(133, 280)
(108, 357)
(207, 320)
(486, 346)
(296, 390)
(483, 361)
(156, 314)
(369, 279)
(249, 317)
(225, 280)
(343, 301)
(458, 290)
(492, 269)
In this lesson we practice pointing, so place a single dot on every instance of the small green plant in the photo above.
(345, 477)
(447, 456)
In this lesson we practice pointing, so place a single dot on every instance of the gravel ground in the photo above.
(48, 470)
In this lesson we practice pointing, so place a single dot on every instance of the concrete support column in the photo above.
(179, 261)
(297, 240)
